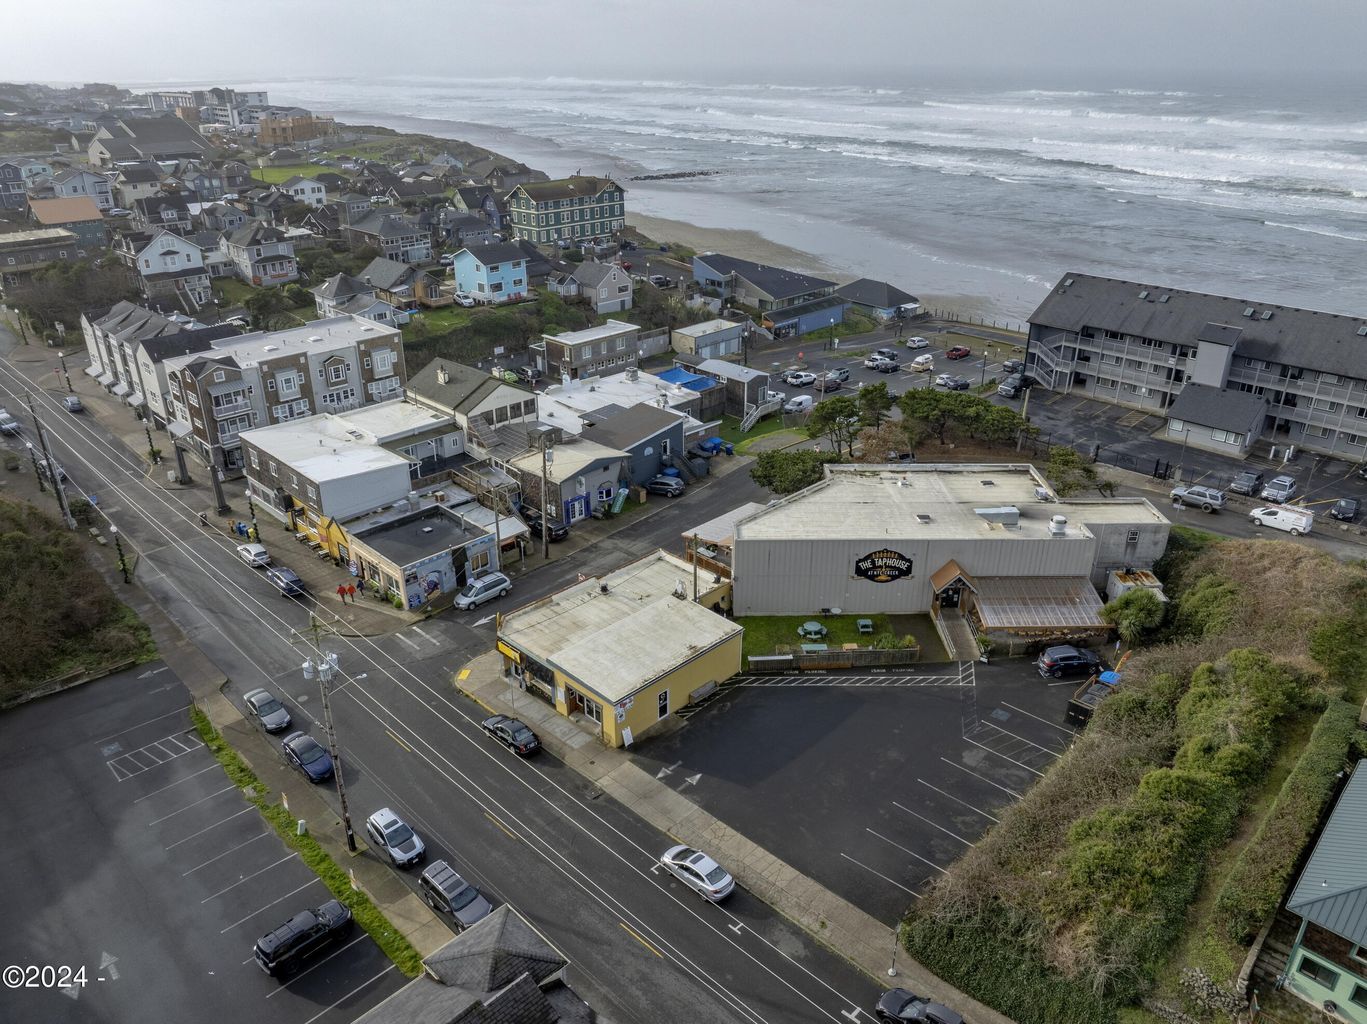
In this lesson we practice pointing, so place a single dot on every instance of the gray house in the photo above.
(645, 432)
(746, 387)
(580, 475)
(1216, 419)
(878, 298)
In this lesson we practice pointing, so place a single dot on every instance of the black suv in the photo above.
(1248, 482)
(1067, 661)
(558, 531)
(301, 938)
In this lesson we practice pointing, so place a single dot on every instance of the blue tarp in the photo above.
(686, 378)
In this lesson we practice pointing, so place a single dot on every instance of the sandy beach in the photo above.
(747, 245)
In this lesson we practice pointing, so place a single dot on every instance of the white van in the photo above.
(1294, 521)
(923, 363)
(799, 404)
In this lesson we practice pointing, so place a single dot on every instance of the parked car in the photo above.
(801, 379)
(1345, 509)
(958, 352)
(119, 211)
(447, 259)
(72, 404)
(1067, 661)
(286, 581)
(900, 1005)
(1011, 386)
(838, 373)
(8, 424)
(537, 524)
(923, 363)
(1248, 482)
(45, 469)
(308, 755)
(1279, 488)
(1207, 499)
(875, 362)
(392, 834)
(1294, 521)
(626, 245)
(462, 299)
(942, 381)
(660, 281)
(513, 734)
(267, 709)
(447, 893)
(254, 555)
(282, 951)
(889, 366)
(699, 872)
(828, 383)
(528, 375)
(486, 588)
(917, 342)
(799, 404)
(888, 353)
(669, 486)
(1013, 366)
(959, 384)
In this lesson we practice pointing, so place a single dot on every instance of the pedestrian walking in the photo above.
(341, 592)
(351, 592)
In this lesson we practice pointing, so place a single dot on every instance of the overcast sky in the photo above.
(859, 41)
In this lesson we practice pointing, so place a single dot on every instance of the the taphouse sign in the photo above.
(883, 566)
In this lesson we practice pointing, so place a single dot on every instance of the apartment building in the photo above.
(574, 209)
(1144, 345)
(331, 365)
(607, 348)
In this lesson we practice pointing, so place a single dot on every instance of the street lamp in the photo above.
(326, 669)
(118, 546)
(830, 342)
(32, 454)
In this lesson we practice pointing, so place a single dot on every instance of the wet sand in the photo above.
(746, 245)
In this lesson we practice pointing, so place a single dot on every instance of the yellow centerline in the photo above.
(400, 742)
(632, 932)
(510, 833)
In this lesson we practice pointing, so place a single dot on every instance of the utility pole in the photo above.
(695, 568)
(33, 454)
(62, 359)
(546, 457)
(118, 546)
(326, 667)
(1025, 404)
(54, 470)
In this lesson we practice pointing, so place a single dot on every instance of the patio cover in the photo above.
(1038, 602)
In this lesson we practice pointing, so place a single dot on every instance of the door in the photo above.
(578, 508)
(949, 597)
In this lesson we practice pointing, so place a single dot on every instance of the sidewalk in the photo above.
(843, 928)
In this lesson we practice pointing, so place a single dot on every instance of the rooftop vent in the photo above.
(1164, 298)
(443, 376)
(1363, 330)
(1267, 314)
(1067, 282)
(1144, 294)
(1042, 494)
(427, 529)
(1249, 311)
(270, 348)
(679, 590)
(988, 483)
(1058, 526)
(602, 588)
(922, 517)
(315, 337)
(1006, 515)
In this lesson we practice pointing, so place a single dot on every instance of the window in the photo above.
(219, 377)
(1324, 405)
(337, 374)
(1132, 537)
(1176, 426)
(270, 385)
(1109, 357)
(1359, 995)
(663, 703)
(1317, 972)
(251, 456)
(1228, 437)
(592, 709)
(1329, 378)
(1105, 383)
(1359, 953)
(1355, 441)
(365, 363)
(479, 563)
(312, 492)
(1316, 431)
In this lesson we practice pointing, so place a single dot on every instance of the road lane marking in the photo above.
(399, 741)
(463, 674)
(511, 834)
(1004, 757)
(187, 778)
(956, 799)
(148, 722)
(336, 953)
(410, 643)
(426, 636)
(881, 875)
(262, 910)
(364, 984)
(1048, 750)
(635, 935)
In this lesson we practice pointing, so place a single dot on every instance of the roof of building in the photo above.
(387, 274)
(686, 378)
(876, 294)
(385, 225)
(62, 177)
(591, 274)
(254, 232)
(707, 327)
(1295, 337)
(320, 336)
(730, 371)
(566, 405)
(454, 385)
(567, 188)
(394, 421)
(1223, 408)
(774, 281)
(628, 427)
(341, 286)
(634, 613)
(1044, 603)
(495, 252)
(139, 174)
(569, 459)
(38, 236)
(933, 501)
(420, 535)
(589, 335)
(71, 210)
(295, 180)
(323, 447)
(161, 337)
(1332, 889)
(722, 529)
(147, 205)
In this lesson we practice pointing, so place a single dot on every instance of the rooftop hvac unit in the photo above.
(1058, 526)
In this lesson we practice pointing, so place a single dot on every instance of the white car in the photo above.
(464, 300)
(391, 833)
(917, 343)
(699, 872)
(254, 555)
(801, 379)
(943, 380)
(486, 588)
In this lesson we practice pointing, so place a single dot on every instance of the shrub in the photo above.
(1255, 886)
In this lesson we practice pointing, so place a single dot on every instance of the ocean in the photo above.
(980, 196)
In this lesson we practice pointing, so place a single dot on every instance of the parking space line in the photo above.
(268, 906)
(1004, 757)
(410, 643)
(911, 853)
(1051, 751)
(344, 998)
(149, 721)
(192, 835)
(1004, 789)
(212, 765)
(309, 970)
(1037, 718)
(225, 789)
(881, 875)
(952, 835)
(248, 878)
(223, 854)
(951, 796)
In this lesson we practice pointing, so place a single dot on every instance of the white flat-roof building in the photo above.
(568, 405)
(993, 540)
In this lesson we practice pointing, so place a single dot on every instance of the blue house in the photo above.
(492, 273)
(790, 303)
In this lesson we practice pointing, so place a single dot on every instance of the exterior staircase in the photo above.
(956, 634)
(757, 412)
(681, 463)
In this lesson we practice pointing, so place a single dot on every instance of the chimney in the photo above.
(443, 377)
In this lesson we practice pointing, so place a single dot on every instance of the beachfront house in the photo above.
(790, 303)
(492, 273)
(880, 299)
(566, 211)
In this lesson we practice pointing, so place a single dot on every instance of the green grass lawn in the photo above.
(767, 634)
(231, 291)
(438, 321)
(275, 175)
(730, 428)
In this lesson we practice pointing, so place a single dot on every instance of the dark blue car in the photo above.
(309, 756)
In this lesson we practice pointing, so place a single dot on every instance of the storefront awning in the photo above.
(105, 379)
(947, 574)
(178, 429)
(121, 389)
(92, 371)
(135, 398)
(1037, 603)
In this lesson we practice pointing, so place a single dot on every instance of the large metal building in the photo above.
(903, 539)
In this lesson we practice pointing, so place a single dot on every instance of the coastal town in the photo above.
(435, 598)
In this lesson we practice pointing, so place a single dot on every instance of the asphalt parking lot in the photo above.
(871, 785)
(133, 856)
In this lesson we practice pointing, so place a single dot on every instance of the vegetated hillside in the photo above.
(1070, 907)
(56, 612)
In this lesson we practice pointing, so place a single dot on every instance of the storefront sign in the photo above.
(883, 566)
(512, 655)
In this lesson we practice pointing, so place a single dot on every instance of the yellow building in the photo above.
(626, 650)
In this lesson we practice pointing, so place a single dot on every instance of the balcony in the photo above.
(237, 405)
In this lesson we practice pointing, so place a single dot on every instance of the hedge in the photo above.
(1260, 875)
(390, 940)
